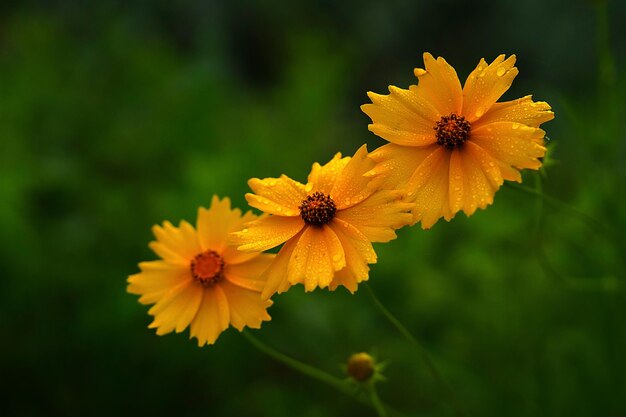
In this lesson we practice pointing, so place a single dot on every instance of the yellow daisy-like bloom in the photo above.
(326, 225)
(453, 147)
(202, 281)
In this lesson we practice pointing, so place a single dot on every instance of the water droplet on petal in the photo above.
(479, 112)
(500, 72)
(515, 126)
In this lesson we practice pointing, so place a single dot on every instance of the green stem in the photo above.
(606, 62)
(432, 369)
(572, 211)
(296, 365)
(607, 284)
(340, 385)
(376, 402)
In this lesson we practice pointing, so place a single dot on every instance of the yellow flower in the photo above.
(202, 281)
(327, 225)
(453, 147)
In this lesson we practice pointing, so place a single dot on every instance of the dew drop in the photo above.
(515, 126)
(479, 112)
(500, 72)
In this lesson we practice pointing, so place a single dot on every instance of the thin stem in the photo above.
(296, 365)
(376, 402)
(340, 385)
(572, 211)
(432, 369)
(607, 284)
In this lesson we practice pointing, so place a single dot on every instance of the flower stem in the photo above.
(572, 211)
(432, 369)
(376, 402)
(340, 385)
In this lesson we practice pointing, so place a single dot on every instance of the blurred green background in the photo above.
(117, 115)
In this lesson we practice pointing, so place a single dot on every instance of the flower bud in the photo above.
(361, 366)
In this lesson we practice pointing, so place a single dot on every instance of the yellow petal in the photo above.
(177, 309)
(379, 215)
(439, 85)
(156, 279)
(212, 317)
(233, 256)
(513, 144)
(247, 308)
(403, 117)
(249, 274)
(428, 189)
(523, 110)
(266, 233)
(281, 196)
(182, 240)
(316, 257)
(486, 84)
(476, 189)
(358, 254)
(217, 222)
(322, 177)
(164, 252)
(347, 279)
(398, 163)
(276, 275)
(351, 185)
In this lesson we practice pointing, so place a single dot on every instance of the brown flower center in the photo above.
(452, 131)
(207, 267)
(317, 209)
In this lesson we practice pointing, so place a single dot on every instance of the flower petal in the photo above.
(398, 163)
(276, 275)
(358, 254)
(156, 279)
(513, 144)
(249, 274)
(469, 186)
(486, 84)
(322, 177)
(351, 185)
(316, 257)
(177, 309)
(428, 189)
(217, 222)
(266, 233)
(180, 241)
(439, 85)
(247, 308)
(522, 110)
(402, 117)
(212, 317)
(281, 196)
(378, 216)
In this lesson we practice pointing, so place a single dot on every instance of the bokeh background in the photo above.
(117, 115)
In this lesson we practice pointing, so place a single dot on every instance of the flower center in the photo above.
(207, 267)
(452, 131)
(317, 209)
